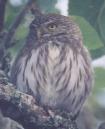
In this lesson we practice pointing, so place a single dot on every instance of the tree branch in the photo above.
(2, 13)
(29, 6)
(5, 40)
(23, 109)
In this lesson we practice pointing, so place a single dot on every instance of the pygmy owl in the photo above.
(53, 65)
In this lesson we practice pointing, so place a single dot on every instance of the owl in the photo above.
(54, 66)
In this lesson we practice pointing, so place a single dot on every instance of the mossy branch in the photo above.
(22, 108)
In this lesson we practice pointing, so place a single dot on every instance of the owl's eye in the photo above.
(52, 27)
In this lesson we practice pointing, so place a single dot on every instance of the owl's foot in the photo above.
(62, 113)
(63, 123)
(62, 119)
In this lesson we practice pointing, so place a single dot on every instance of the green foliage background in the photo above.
(90, 15)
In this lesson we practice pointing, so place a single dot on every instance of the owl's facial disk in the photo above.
(51, 29)
(50, 26)
(56, 28)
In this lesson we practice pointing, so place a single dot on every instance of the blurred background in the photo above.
(90, 16)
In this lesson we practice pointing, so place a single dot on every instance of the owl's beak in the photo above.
(41, 33)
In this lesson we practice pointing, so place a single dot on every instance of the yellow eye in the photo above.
(52, 27)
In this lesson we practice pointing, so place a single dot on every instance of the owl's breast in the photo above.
(53, 52)
(52, 69)
(56, 75)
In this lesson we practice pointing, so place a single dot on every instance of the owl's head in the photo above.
(55, 27)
